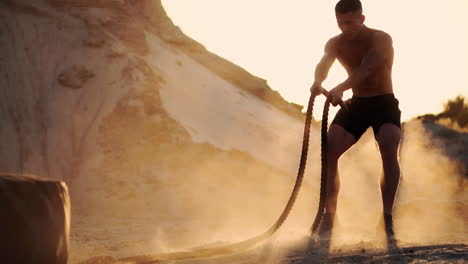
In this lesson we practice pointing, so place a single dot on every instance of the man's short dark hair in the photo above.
(346, 6)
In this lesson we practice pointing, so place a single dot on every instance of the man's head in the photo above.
(349, 17)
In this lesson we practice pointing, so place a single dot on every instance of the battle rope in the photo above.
(246, 244)
(323, 174)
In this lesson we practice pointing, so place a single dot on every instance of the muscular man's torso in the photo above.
(350, 54)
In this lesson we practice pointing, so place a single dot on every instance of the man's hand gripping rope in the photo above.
(334, 94)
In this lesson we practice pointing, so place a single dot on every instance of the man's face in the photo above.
(350, 23)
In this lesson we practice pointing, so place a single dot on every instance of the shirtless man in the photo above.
(367, 56)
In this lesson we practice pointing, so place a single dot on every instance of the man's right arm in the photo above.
(323, 67)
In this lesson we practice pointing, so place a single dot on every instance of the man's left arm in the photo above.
(377, 55)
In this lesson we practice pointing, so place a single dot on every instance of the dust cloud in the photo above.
(229, 196)
(431, 202)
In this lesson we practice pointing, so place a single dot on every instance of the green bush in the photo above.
(456, 110)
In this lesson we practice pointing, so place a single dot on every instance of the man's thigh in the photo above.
(339, 140)
(388, 138)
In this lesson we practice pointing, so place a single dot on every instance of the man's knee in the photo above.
(333, 186)
(334, 152)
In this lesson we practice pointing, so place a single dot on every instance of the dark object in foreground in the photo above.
(34, 220)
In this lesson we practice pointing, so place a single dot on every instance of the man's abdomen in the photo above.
(377, 84)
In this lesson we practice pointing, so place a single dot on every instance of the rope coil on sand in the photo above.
(249, 243)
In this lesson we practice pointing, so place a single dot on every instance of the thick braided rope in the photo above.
(324, 178)
(246, 244)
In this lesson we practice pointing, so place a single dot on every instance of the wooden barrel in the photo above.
(34, 220)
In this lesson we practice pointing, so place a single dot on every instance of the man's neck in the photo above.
(362, 30)
(358, 34)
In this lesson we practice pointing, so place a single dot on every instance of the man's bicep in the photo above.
(329, 55)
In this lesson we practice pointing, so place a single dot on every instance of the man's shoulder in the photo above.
(378, 34)
(334, 39)
(332, 42)
(381, 40)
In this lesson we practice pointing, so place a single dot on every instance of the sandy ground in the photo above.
(300, 252)
(96, 240)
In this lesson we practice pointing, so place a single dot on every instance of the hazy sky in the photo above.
(282, 42)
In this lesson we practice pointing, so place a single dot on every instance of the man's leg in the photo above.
(339, 140)
(388, 139)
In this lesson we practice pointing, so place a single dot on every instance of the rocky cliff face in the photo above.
(114, 99)
(66, 65)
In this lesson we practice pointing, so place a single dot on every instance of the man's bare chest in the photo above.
(351, 55)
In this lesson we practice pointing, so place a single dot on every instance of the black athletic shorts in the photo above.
(364, 112)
